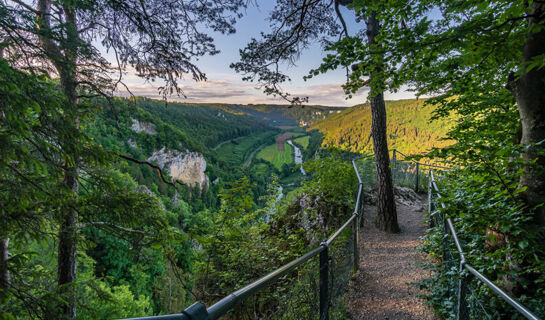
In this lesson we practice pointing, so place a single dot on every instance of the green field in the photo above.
(235, 153)
(303, 141)
(296, 131)
(276, 157)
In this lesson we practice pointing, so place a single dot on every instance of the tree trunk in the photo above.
(63, 55)
(4, 256)
(386, 209)
(67, 254)
(530, 95)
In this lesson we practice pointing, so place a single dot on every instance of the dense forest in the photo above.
(123, 207)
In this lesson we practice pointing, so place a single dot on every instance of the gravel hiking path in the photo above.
(388, 264)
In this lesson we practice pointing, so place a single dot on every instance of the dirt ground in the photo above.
(388, 265)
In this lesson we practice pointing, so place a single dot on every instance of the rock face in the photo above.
(146, 127)
(312, 216)
(187, 167)
(132, 143)
(403, 195)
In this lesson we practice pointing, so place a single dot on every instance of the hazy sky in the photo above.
(224, 85)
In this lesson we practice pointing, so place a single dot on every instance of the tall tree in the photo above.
(158, 39)
(386, 209)
(529, 91)
(295, 25)
(483, 62)
(451, 50)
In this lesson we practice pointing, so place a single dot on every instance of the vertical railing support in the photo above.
(431, 205)
(394, 158)
(355, 233)
(324, 283)
(461, 309)
(417, 177)
(361, 210)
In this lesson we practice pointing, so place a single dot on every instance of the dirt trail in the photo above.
(388, 263)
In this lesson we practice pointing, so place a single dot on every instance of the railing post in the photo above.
(324, 283)
(361, 209)
(394, 156)
(461, 309)
(417, 177)
(431, 205)
(355, 231)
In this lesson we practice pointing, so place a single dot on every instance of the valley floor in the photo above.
(382, 289)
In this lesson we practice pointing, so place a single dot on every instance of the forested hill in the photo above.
(276, 114)
(208, 124)
(408, 126)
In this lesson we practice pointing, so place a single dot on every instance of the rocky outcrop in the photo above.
(187, 167)
(146, 127)
(132, 143)
(312, 217)
(403, 195)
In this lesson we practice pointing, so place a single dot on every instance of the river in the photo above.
(297, 157)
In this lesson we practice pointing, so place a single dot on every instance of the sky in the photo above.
(224, 85)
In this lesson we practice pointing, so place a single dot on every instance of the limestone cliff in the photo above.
(187, 167)
(140, 126)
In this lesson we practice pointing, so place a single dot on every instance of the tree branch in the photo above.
(152, 166)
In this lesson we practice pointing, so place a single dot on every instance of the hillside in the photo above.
(408, 126)
(276, 114)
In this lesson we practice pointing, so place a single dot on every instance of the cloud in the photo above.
(228, 90)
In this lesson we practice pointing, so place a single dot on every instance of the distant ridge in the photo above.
(408, 126)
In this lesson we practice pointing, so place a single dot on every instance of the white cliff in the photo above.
(140, 126)
(187, 167)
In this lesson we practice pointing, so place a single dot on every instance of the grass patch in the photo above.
(236, 152)
(303, 141)
(276, 157)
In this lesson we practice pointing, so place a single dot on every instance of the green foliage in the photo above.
(107, 302)
(332, 180)
(241, 247)
(498, 240)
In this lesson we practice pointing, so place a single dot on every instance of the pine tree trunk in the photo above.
(65, 59)
(530, 95)
(386, 209)
(67, 253)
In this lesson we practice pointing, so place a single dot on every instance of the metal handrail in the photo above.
(198, 311)
(464, 265)
(221, 307)
(406, 156)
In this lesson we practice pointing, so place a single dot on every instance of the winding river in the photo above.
(297, 157)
